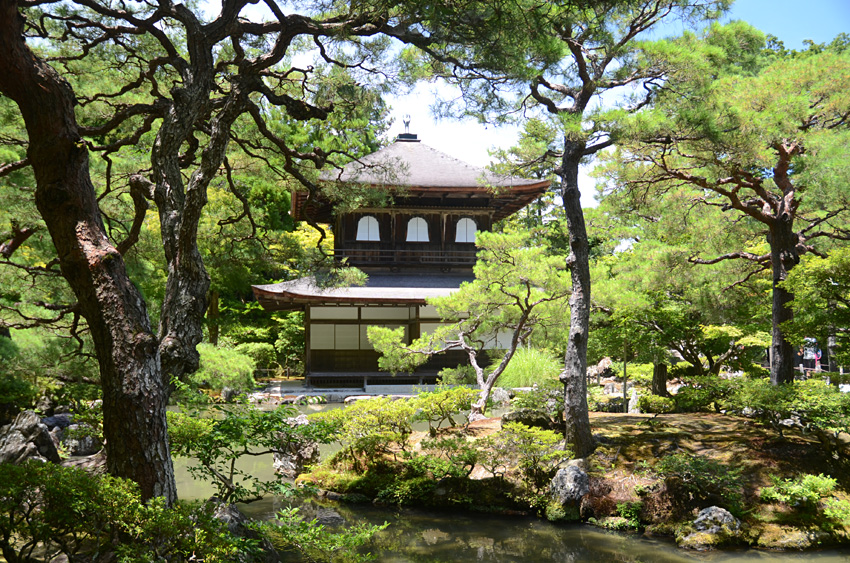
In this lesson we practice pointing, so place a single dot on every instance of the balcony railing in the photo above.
(394, 257)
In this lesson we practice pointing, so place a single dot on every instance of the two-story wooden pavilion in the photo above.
(422, 246)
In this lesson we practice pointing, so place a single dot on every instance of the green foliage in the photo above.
(43, 358)
(439, 406)
(817, 405)
(262, 353)
(8, 349)
(528, 367)
(51, 510)
(536, 452)
(289, 342)
(315, 542)
(640, 374)
(370, 429)
(802, 493)
(454, 456)
(656, 404)
(548, 397)
(224, 367)
(215, 443)
(461, 375)
(16, 394)
(630, 512)
(703, 392)
(837, 511)
(702, 480)
(822, 300)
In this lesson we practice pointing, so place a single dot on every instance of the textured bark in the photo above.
(574, 377)
(134, 395)
(180, 207)
(659, 380)
(783, 256)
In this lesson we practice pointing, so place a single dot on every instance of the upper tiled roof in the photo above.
(411, 164)
(424, 172)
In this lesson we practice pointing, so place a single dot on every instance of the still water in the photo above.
(416, 536)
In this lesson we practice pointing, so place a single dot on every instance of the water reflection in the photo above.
(417, 536)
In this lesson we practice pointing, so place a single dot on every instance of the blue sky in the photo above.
(792, 21)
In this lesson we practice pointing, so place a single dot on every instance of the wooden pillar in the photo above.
(308, 363)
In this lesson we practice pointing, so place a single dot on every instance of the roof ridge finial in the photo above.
(406, 121)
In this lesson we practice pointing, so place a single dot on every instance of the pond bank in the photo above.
(635, 482)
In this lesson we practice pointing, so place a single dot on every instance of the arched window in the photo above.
(466, 229)
(417, 230)
(367, 229)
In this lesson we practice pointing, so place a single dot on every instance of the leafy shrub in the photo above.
(704, 481)
(802, 492)
(460, 375)
(530, 366)
(598, 401)
(263, 353)
(51, 510)
(640, 374)
(535, 452)
(837, 511)
(317, 543)
(216, 442)
(630, 511)
(290, 340)
(16, 394)
(704, 392)
(224, 367)
(460, 455)
(548, 397)
(441, 405)
(656, 404)
(370, 429)
(819, 406)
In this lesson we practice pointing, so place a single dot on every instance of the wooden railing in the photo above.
(374, 257)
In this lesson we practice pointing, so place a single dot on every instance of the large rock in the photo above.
(500, 396)
(600, 370)
(566, 490)
(239, 526)
(83, 443)
(569, 485)
(27, 437)
(61, 421)
(529, 417)
(713, 527)
(294, 455)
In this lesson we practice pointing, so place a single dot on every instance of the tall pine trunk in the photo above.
(574, 376)
(134, 393)
(783, 257)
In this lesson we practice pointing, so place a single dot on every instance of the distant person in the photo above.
(810, 353)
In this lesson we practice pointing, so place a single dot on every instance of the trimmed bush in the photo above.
(224, 367)
(656, 404)
(263, 354)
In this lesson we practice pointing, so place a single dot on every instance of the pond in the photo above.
(438, 537)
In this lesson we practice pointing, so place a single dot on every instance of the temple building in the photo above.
(421, 246)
